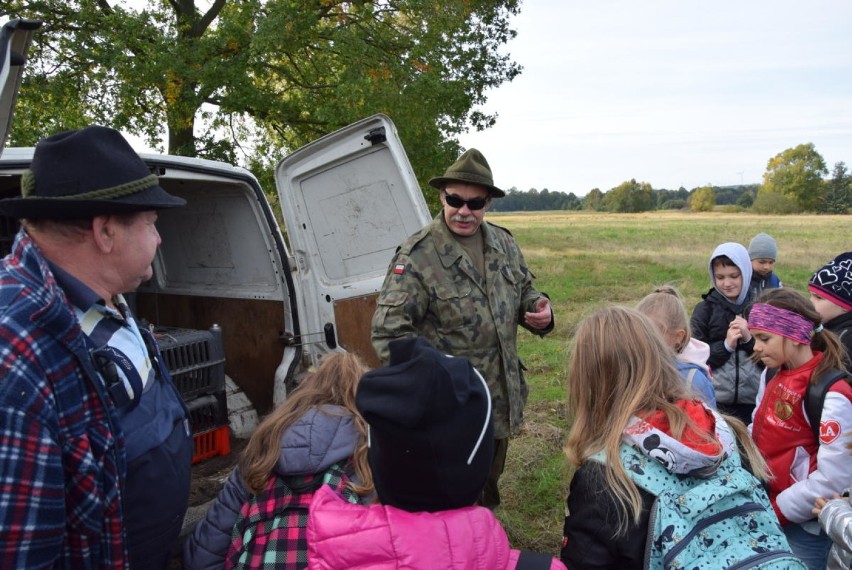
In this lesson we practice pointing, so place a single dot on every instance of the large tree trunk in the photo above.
(181, 136)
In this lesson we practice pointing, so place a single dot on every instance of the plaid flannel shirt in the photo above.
(61, 454)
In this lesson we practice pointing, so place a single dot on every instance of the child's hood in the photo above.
(694, 453)
(695, 352)
(323, 436)
(739, 255)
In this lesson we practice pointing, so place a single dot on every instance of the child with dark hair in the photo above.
(831, 293)
(430, 449)
(763, 251)
(718, 321)
(790, 338)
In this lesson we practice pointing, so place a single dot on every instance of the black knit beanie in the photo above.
(833, 281)
(431, 436)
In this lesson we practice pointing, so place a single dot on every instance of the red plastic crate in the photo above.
(211, 443)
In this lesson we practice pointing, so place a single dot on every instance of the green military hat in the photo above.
(470, 168)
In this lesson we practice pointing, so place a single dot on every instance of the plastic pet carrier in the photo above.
(195, 359)
(208, 412)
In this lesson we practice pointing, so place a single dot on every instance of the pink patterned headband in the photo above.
(780, 321)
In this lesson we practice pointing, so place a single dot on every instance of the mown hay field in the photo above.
(586, 260)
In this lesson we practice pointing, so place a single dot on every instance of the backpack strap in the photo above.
(770, 374)
(645, 472)
(529, 560)
(649, 474)
(815, 396)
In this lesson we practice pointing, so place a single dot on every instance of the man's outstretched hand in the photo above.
(542, 315)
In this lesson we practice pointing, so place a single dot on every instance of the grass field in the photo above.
(586, 260)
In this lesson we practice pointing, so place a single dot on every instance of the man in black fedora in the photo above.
(462, 283)
(95, 446)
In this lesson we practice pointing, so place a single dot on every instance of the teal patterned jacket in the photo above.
(432, 289)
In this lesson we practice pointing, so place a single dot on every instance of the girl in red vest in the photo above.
(789, 337)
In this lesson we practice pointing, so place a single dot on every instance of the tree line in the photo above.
(631, 197)
(794, 182)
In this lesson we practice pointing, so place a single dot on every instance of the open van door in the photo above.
(349, 200)
(15, 37)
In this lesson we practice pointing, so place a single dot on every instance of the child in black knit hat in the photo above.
(430, 447)
(831, 293)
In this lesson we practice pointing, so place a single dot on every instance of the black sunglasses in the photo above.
(472, 204)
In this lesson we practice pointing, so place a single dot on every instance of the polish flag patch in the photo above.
(829, 431)
(399, 269)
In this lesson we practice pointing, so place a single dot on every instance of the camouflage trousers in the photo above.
(490, 496)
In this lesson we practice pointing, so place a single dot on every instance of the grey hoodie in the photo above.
(314, 442)
(739, 255)
(734, 375)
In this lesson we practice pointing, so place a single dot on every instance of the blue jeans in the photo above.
(811, 548)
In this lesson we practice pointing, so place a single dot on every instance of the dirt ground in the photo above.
(209, 475)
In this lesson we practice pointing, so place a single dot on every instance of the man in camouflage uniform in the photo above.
(463, 284)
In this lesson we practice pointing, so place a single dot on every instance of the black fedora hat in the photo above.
(85, 173)
(470, 168)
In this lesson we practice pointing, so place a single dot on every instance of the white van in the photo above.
(348, 200)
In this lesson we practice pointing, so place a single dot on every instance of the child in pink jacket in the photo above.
(430, 449)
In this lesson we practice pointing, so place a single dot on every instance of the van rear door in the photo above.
(348, 199)
(15, 37)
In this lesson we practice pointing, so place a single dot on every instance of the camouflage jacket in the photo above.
(433, 289)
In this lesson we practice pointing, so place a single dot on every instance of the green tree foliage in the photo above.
(572, 202)
(775, 203)
(746, 200)
(630, 196)
(703, 199)
(797, 173)
(532, 200)
(256, 78)
(671, 199)
(593, 200)
(837, 198)
(729, 195)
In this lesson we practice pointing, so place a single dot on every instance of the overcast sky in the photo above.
(670, 92)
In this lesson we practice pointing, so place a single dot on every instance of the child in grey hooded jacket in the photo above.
(719, 321)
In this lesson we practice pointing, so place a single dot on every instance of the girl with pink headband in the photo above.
(790, 338)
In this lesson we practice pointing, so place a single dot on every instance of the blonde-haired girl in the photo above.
(316, 428)
(629, 394)
(665, 308)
